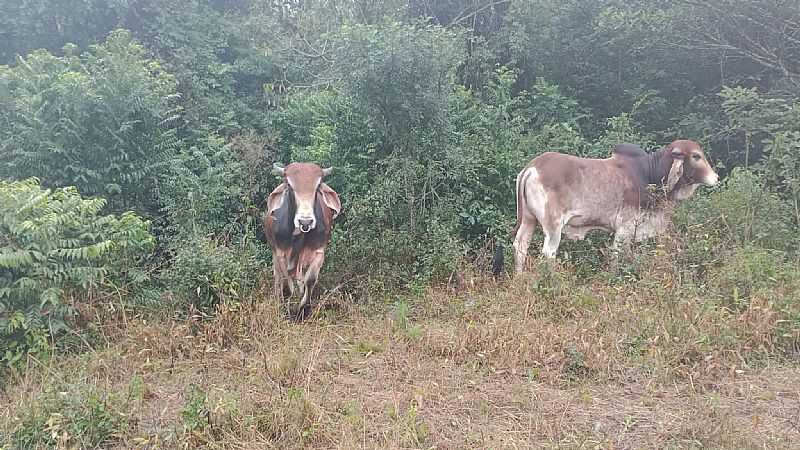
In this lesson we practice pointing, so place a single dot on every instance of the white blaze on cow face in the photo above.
(304, 219)
(304, 180)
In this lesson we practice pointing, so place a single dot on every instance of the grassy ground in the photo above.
(538, 362)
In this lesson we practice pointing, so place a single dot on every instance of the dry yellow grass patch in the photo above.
(493, 366)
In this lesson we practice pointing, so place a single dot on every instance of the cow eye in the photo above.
(696, 157)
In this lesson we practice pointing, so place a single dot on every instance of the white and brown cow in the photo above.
(571, 195)
(298, 224)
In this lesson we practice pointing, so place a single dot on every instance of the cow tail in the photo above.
(520, 194)
(499, 254)
(499, 258)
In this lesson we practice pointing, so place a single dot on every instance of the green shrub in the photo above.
(782, 165)
(195, 414)
(749, 270)
(206, 272)
(401, 196)
(105, 121)
(54, 243)
(211, 226)
(205, 191)
(740, 213)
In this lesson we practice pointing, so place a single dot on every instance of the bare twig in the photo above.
(462, 17)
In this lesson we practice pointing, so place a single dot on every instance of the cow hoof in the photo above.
(299, 314)
(304, 312)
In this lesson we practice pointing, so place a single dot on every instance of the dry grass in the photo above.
(524, 364)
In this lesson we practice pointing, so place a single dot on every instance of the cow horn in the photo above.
(277, 169)
(326, 172)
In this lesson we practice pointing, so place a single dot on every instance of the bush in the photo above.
(749, 270)
(105, 121)
(206, 193)
(211, 225)
(740, 213)
(205, 272)
(400, 192)
(54, 243)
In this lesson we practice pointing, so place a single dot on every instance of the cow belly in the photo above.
(578, 233)
(580, 224)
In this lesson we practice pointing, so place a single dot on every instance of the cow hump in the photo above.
(629, 150)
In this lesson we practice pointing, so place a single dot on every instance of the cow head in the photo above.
(689, 169)
(303, 185)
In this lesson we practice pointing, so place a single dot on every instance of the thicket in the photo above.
(427, 110)
(56, 249)
(104, 121)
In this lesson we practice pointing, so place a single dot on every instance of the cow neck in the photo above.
(658, 166)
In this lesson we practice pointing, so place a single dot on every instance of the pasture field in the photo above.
(545, 360)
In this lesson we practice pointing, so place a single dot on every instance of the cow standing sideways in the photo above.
(298, 224)
(571, 195)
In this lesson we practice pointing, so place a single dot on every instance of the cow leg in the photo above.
(277, 282)
(624, 237)
(282, 285)
(522, 241)
(309, 282)
(552, 237)
(620, 243)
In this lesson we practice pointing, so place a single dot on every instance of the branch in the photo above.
(460, 18)
(736, 34)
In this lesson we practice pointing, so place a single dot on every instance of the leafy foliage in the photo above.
(212, 221)
(740, 214)
(750, 270)
(48, 24)
(54, 243)
(771, 136)
(206, 272)
(399, 187)
(427, 111)
(105, 121)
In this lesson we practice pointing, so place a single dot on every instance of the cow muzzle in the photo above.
(305, 224)
(711, 179)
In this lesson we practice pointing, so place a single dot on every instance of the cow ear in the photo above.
(331, 199)
(675, 173)
(275, 199)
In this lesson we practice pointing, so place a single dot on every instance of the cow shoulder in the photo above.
(278, 223)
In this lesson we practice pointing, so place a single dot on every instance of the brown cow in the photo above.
(572, 195)
(298, 224)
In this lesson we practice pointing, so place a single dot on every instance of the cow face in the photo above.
(303, 181)
(690, 168)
